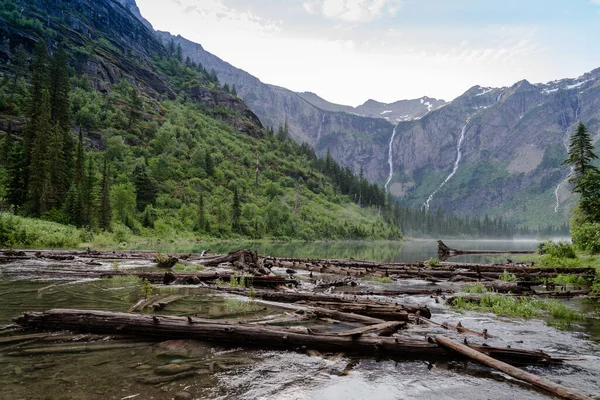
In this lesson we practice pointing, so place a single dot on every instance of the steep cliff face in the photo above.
(109, 41)
(514, 141)
(495, 150)
(308, 123)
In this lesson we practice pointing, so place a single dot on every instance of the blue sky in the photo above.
(348, 51)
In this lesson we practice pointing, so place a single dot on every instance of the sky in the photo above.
(349, 51)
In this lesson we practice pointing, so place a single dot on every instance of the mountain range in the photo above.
(491, 150)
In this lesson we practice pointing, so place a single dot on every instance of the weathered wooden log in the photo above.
(311, 298)
(445, 251)
(320, 312)
(547, 385)
(386, 312)
(164, 327)
(383, 329)
(396, 292)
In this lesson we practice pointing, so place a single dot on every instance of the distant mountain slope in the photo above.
(402, 110)
(491, 150)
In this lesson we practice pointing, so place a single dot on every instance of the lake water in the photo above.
(145, 370)
(384, 251)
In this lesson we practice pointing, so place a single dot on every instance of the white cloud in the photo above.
(353, 10)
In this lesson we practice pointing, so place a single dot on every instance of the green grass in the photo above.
(476, 288)
(235, 306)
(508, 277)
(521, 307)
(180, 267)
(379, 279)
(29, 232)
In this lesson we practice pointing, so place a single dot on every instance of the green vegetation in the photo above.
(146, 288)
(585, 225)
(167, 168)
(476, 288)
(180, 267)
(432, 262)
(508, 277)
(235, 306)
(379, 279)
(521, 307)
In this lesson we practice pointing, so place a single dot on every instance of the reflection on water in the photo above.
(186, 370)
(413, 250)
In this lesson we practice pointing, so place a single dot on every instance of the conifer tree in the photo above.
(42, 195)
(105, 213)
(146, 187)
(20, 68)
(581, 153)
(201, 223)
(134, 108)
(60, 107)
(88, 196)
(209, 164)
(236, 212)
(234, 90)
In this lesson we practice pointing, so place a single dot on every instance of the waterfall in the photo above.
(458, 157)
(566, 144)
(390, 162)
(320, 131)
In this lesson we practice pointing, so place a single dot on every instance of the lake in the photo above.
(142, 370)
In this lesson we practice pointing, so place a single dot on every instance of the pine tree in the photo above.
(105, 206)
(79, 161)
(88, 196)
(209, 165)
(146, 187)
(39, 84)
(60, 110)
(42, 195)
(134, 108)
(581, 153)
(234, 90)
(201, 224)
(236, 212)
(16, 169)
(20, 68)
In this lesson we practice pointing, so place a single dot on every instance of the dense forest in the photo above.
(116, 157)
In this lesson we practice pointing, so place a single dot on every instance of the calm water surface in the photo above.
(146, 372)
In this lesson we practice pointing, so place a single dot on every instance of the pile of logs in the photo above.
(375, 316)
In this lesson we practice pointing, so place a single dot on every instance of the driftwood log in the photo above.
(169, 327)
(547, 385)
(385, 310)
(445, 251)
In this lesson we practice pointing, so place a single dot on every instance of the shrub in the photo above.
(559, 250)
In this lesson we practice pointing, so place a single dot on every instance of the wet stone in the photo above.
(183, 396)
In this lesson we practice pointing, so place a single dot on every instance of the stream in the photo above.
(144, 370)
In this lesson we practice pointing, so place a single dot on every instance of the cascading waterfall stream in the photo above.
(320, 131)
(566, 144)
(390, 162)
(456, 163)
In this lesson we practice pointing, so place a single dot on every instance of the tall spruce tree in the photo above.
(46, 152)
(60, 107)
(236, 212)
(88, 196)
(146, 187)
(105, 212)
(581, 153)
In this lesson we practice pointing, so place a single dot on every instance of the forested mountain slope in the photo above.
(122, 132)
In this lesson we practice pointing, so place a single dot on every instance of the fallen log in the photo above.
(165, 327)
(445, 251)
(384, 329)
(549, 386)
(386, 312)
(314, 298)
(397, 292)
